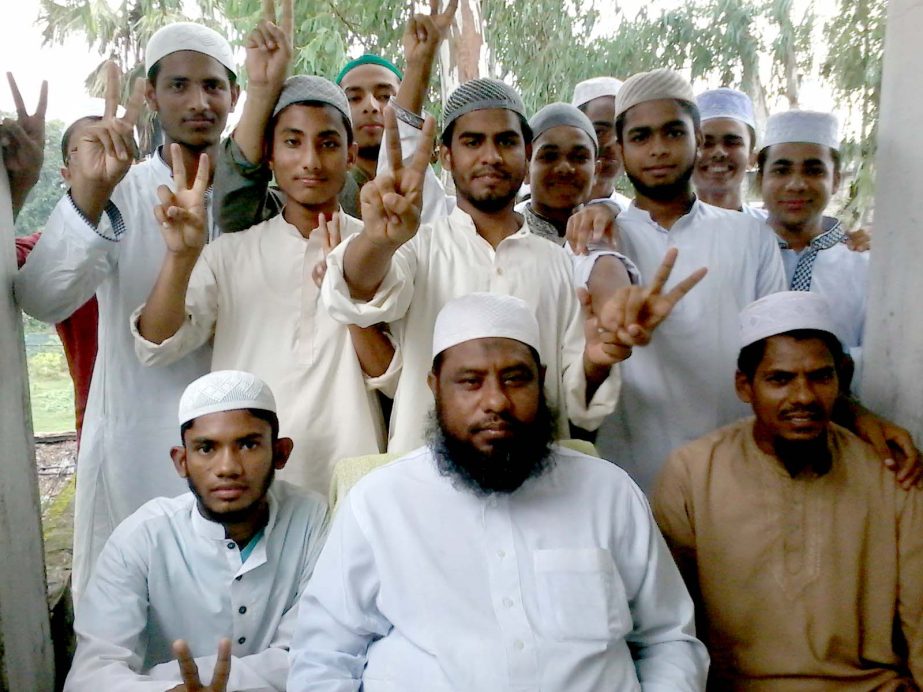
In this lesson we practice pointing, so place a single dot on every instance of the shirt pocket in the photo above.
(580, 594)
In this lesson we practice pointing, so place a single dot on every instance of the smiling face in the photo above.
(311, 155)
(192, 96)
(561, 170)
(229, 459)
(369, 88)
(726, 154)
(797, 180)
(658, 145)
(487, 156)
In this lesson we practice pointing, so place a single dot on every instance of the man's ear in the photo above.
(837, 178)
(235, 95)
(432, 381)
(744, 387)
(352, 155)
(445, 157)
(529, 152)
(178, 454)
(281, 451)
(150, 95)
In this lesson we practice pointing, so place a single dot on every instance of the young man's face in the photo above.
(797, 181)
(229, 460)
(311, 154)
(192, 97)
(488, 157)
(79, 128)
(727, 153)
(369, 88)
(562, 167)
(487, 391)
(793, 390)
(601, 112)
(658, 147)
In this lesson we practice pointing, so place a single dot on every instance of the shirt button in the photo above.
(519, 645)
(508, 602)
(238, 577)
(241, 640)
(499, 271)
(501, 554)
(231, 546)
(242, 610)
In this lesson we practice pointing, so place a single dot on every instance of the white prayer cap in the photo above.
(653, 86)
(188, 36)
(783, 312)
(809, 127)
(485, 315)
(726, 103)
(224, 390)
(590, 89)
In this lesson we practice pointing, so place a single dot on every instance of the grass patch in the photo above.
(51, 389)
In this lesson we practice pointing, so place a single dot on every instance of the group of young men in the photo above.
(706, 345)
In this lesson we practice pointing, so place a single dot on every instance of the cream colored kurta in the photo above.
(448, 259)
(803, 580)
(252, 292)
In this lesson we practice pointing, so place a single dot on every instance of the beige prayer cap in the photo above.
(485, 315)
(653, 86)
(783, 312)
(810, 127)
(594, 88)
(224, 390)
(188, 36)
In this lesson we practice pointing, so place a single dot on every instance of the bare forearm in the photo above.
(595, 376)
(165, 310)
(251, 130)
(365, 265)
(412, 91)
(373, 348)
(608, 276)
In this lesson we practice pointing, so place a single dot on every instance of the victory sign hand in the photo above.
(181, 213)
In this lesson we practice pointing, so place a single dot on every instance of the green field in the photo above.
(50, 386)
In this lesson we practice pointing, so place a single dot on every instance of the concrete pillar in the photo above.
(26, 657)
(893, 358)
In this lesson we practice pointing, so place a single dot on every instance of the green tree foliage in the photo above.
(49, 188)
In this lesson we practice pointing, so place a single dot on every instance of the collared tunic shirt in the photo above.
(681, 385)
(252, 292)
(130, 421)
(803, 584)
(168, 573)
(564, 585)
(448, 259)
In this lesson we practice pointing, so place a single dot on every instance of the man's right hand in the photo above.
(181, 213)
(190, 672)
(393, 200)
(269, 50)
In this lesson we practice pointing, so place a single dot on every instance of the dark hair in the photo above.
(687, 107)
(439, 357)
(260, 413)
(446, 138)
(155, 71)
(68, 133)
(764, 155)
(312, 104)
(752, 355)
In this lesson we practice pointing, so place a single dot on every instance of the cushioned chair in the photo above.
(347, 472)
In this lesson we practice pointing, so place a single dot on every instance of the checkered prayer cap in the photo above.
(224, 390)
(304, 88)
(485, 315)
(482, 94)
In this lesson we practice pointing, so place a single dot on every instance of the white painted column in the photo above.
(26, 657)
(892, 382)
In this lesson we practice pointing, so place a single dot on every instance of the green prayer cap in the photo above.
(368, 59)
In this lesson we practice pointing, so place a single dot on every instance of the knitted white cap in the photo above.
(224, 390)
(590, 89)
(783, 312)
(810, 127)
(188, 36)
(653, 86)
(484, 315)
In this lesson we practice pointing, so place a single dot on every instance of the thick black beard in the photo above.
(666, 192)
(798, 455)
(237, 516)
(369, 153)
(491, 205)
(507, 467)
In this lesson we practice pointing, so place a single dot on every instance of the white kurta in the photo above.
(681, 385)
(168, 573)
(564, 585)
(448, 259)
(253, 293)
(130, 421)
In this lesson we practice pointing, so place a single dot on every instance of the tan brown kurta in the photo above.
(812, 583)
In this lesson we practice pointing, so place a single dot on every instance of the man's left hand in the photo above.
(595, 223)
(190, 672)
(893, 444)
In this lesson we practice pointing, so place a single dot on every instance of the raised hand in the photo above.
(424, 32)
(330, 237)
(23, 144)
(634, 312)
(181, 213)
(269, 49)
(190, 672)
(603, 348)
(107, 149)
(595, 224)
(392, 201)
